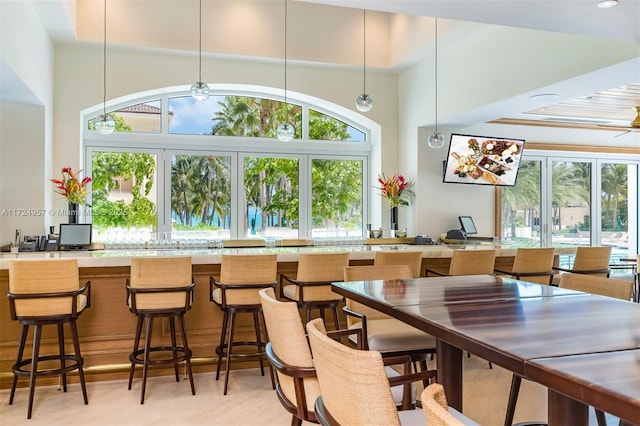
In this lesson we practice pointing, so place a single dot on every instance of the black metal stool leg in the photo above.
(34, 366)
(172, 327)
(232, 326)
(62, 360)
(187, 351)
(147, 346)
(223, 335)
(23, 340)
(136, 346)
(256, 326)
(79, 360)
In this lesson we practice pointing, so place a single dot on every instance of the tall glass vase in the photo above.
(73, 213)
(394, 220)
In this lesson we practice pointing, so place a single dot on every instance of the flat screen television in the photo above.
(466, 222)
(482, 160)
(75, 236)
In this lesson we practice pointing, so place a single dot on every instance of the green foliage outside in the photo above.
(571, 186)
(201, 184)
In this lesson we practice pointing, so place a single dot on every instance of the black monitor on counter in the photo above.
(75, 236)
(468, 227)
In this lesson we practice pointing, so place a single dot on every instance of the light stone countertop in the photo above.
(107, 258)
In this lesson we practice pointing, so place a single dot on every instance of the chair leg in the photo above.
(172, 327)
(296, 421)
(147, 347)
(62, 360)
(336, 318)
(229, 350)
(602, 421)
(187, 351)
(223, 335)
(136, 345)
(256, 326)
(79, 360)
(34, 366)
(513, 399)
(308, 315)
(23, 340)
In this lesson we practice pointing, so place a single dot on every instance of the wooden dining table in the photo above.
(514, 324)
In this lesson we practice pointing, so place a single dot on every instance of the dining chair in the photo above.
(603, 286)
(436, 410)
(532, 264)
(411, 258)
(311, 287)
(242, 276)
(588, 260)
(354, 387)
(44, 293)
(160, 288)
(469, 262)
(380, 332)
(289, 353)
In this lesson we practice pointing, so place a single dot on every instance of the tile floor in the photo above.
(250, 401)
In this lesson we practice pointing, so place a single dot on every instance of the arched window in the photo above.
(182, 170)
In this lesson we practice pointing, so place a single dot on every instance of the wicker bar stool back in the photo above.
(47, 292)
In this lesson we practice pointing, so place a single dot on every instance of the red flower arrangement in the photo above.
(396, 189)
(71, 187)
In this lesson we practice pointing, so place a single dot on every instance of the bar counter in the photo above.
(107, 328)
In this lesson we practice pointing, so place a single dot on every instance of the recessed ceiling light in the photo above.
(607, 3)
(544, 97)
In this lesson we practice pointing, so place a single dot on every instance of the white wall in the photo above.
(26, 123)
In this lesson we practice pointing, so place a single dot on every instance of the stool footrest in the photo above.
(137, 357)
(76, 364)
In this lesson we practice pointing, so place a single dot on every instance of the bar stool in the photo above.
(404, 257)
(532, 265)
(160, 288)
(311, 289)
(47, 292)
(241, 278)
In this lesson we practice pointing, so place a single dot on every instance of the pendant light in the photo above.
(200, 90)
(104, 123)
(286, 131)
(364, 102)
(436, 140)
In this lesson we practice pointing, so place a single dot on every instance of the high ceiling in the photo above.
(580, 100)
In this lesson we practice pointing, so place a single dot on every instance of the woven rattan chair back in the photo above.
(411, 258)
(610, 287)
(160, 272)
(289, 343)
(472, 262)
(49, 276)
(238, 269)
(372, 272)
(315, 267)
(435, 407)
(592, 259)
(532, 260)
(354, 386)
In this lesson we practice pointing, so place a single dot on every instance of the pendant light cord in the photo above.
(286, 12)
(104, 64)
(364, 51)
(436, 74)
(200, 43)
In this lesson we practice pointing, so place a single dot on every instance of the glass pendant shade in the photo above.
(286, 132)
(200, 91)
(105, 124)
(435, 140)
(364, 102)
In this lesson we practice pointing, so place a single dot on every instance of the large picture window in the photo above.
(215, 170)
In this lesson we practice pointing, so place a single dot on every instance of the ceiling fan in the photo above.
(634, 126)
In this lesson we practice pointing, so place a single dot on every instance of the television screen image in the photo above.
(75, 236)
(483, 160)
